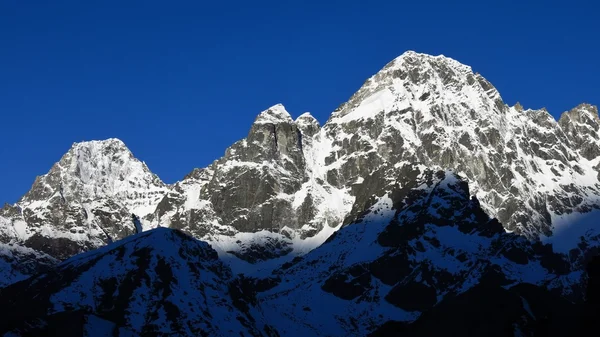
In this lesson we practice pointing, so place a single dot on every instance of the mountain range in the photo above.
(424, 206)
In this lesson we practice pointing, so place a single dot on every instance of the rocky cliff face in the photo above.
(268, 184)
(252, 180)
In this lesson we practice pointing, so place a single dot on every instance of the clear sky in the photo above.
(179, 81)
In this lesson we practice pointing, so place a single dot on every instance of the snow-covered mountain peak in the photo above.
(307, 124)
(99, 150)
(433, 110)
(416, 81)
(583, 114)
(96, 169)
(274, 115)
(86, 200)
(306, 117)
(113, 143)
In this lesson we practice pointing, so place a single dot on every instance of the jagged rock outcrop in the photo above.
(581, 126)
(267, 181)
(308, 126)
(248, 188)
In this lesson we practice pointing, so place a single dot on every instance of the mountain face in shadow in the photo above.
(425, 256)
(160, 283)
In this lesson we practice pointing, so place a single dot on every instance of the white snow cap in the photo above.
(273, 115)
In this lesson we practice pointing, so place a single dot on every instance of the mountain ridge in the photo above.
(425, 202)
(296, 178)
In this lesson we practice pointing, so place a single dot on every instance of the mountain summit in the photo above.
(274, 115)
(525, 168)
(85, 201)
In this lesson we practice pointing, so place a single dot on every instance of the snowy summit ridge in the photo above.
(289, 183)
(273, 115)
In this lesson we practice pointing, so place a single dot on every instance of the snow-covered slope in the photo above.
(158, 283)
(18, 263)
(426, 240)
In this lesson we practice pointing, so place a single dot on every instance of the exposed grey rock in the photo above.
(581, 125)
(248, 181)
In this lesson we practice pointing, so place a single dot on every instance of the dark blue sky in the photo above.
(179, 81)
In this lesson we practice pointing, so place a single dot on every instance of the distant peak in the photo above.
(307, 124)
(307, 118)
(419, 77)
(99, 148)
(586, 106)
(274, 115)
(583, 113)
(518, 107)
(413, 54)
